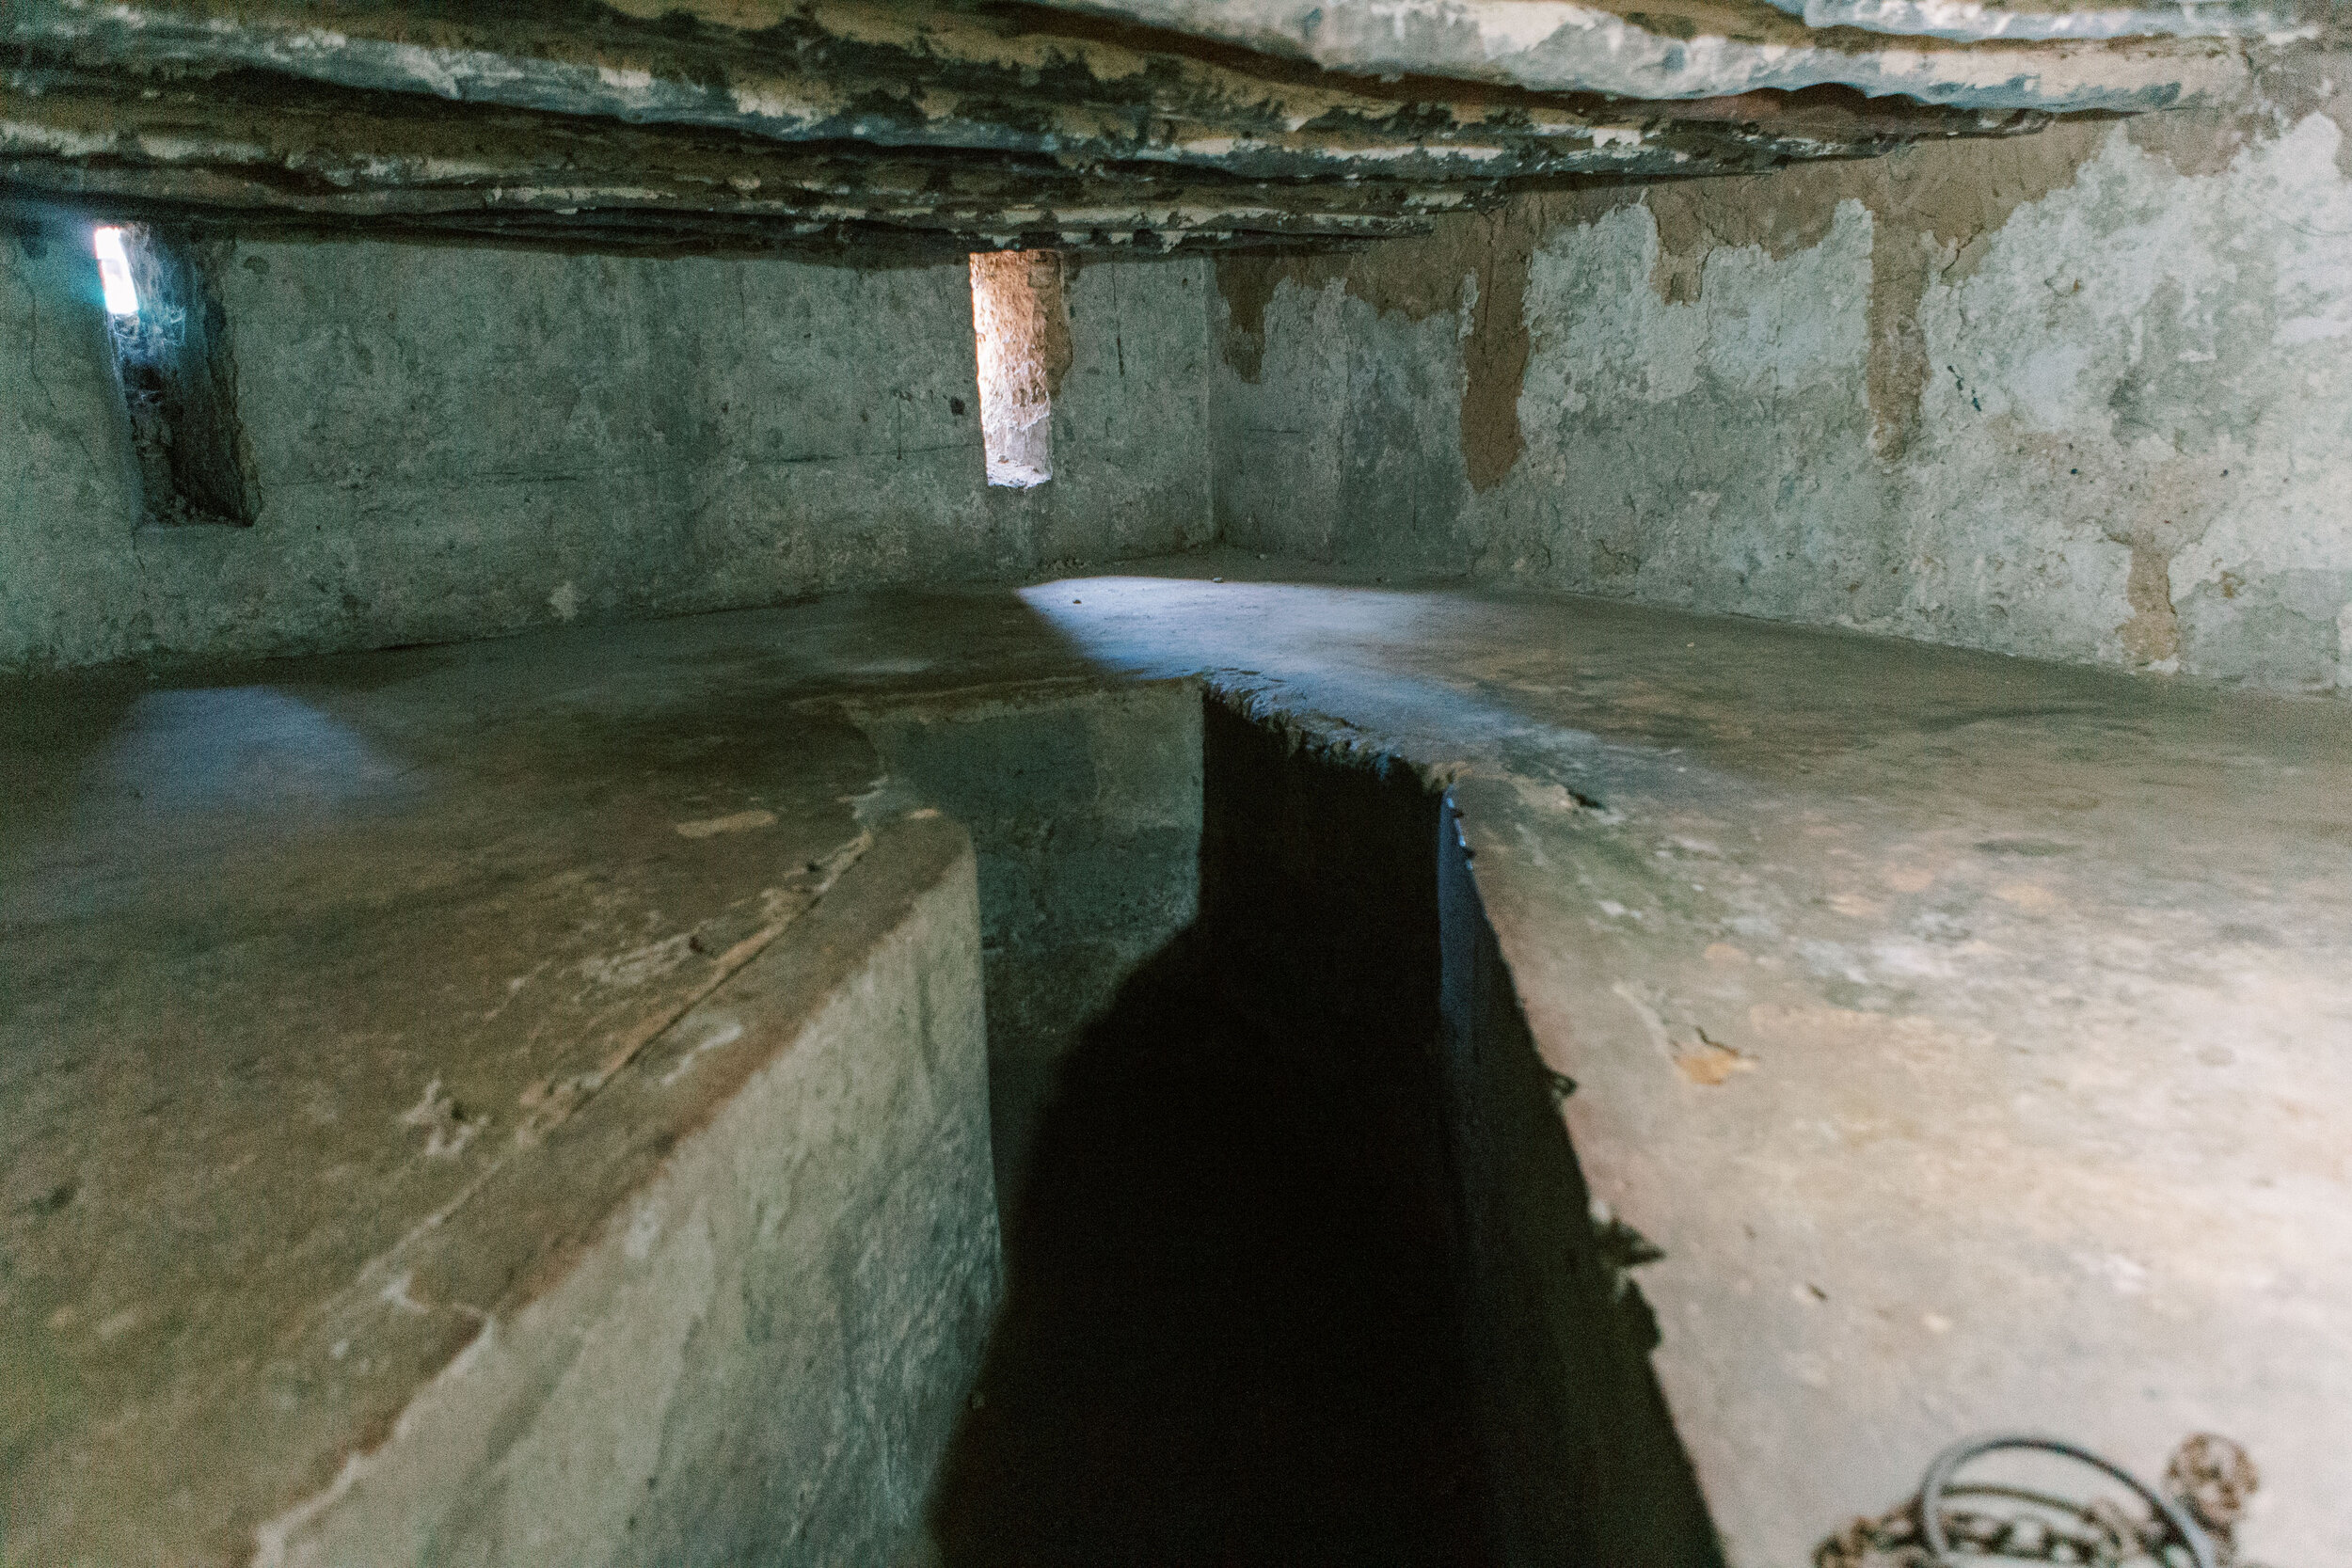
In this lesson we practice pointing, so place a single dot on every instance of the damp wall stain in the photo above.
(1474, 265)
(1928, 211)
(2079, 394)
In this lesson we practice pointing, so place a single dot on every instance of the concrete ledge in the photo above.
(725, 1304)
(760, 1347)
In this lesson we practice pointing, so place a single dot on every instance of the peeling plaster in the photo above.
(868, 112)
(1670, 51)
(2079, 395)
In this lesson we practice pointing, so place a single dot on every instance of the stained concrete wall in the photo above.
(451, 442)
(2079, 395)
(2084, 395)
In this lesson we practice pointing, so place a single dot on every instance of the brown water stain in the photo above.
(1930, 208)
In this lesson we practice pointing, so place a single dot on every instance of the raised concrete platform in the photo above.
(1973, 1037)
(399, 1118)
(527, 1102)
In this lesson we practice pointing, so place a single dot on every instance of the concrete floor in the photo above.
(1970, 1034)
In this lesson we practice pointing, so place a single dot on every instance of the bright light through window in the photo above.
(1020, 330)
(113, 272)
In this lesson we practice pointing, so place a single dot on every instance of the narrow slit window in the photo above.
(1021, 328)
(113, 272)
(171, 361)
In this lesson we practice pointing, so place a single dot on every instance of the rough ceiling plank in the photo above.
(1101, 123)
(1965, 52)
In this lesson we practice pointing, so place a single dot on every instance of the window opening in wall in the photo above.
(1021, 328)
(172, 360)
(113, 272)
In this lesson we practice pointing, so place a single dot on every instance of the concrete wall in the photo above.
(453, 442)
(2084, 395)
(1084, 808)
(2081, 395)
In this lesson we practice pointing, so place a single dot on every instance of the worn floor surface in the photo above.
(1973, 1037)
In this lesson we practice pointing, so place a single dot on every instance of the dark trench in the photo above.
(1301, 1271)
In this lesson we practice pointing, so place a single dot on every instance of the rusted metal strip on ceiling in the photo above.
(1122, 123)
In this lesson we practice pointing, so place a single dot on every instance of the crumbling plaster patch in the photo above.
(2155, 356)
(2075, 395)
(1928, 212)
